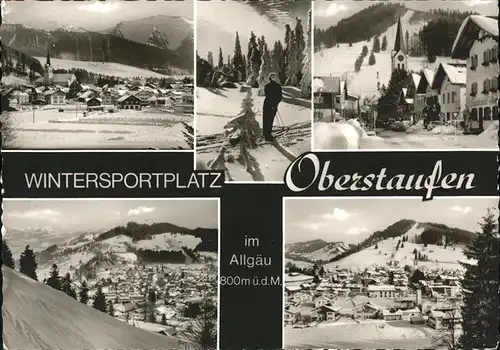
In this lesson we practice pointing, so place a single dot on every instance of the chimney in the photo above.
(419, 297)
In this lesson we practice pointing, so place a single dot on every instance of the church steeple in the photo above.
(47, 63)
(399, 43)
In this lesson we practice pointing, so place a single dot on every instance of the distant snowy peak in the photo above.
(72, 28)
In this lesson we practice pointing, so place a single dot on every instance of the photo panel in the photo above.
(98, 75)
(405, 75)
(95, 273)
(253, 95)
(386, 273)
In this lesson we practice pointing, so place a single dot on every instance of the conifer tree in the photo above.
(265, 69)
(376, 44)
(84, 293)
(28, 264)
(305, 81)
(99, 300)
(221, 59)
(66, 286)
(480, 288)
(291, 73)
(238, 59)
(163, 319)
(111, 310)
(384, 43)
(300, 44)
(371, 59)
(54, 279)
(210, 58)
(364, 51)
(7, 258)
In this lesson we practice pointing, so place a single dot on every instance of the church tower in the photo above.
(47, 71)
(399, 57)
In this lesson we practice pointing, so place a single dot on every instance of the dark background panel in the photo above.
(251, 316)
(483, 164)
(16, 165)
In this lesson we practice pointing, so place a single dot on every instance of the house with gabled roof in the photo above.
(450, 84)
(477, 42)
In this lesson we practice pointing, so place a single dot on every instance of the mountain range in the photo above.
(127, 43)
(416, 233)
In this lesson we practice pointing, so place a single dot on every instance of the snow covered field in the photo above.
(50, 129)
(35, 316)
(106, 68)
(216, 107)
(365, 335)
(169, 241)
(438, 256)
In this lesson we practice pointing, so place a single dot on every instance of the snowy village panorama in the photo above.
(114, 274)
(253, 87)
(390, 273)
(97, 75)
(406, 75)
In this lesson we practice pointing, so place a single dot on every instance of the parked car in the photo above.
(398, 126)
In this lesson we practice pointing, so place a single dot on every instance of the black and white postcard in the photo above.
(97, 274)
(253, 86)
(385, 273)
(97, 75)
(405, 75)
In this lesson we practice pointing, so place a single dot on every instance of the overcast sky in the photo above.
(328, 13)
(92, 15)
(105, 214)
(352, 220)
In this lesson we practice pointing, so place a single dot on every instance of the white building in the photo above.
(449, 83)
(477, 41)
(383, 291)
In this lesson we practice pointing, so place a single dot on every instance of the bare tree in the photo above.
(451, 323)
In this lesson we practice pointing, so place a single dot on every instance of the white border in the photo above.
(96, 151)
(195, 88)
(144, 199)
(312, 75)
(283, 216)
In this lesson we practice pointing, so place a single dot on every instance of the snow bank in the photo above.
(491, 132)
(418, 127)
(340, 135)
(36, 316)
(445, 130)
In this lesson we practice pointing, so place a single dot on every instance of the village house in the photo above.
(108, 98)
(56, 97)
(129, 102)
(441, 319)
(424, 87)
(327, 313)
(291, 316)
(94, 103)
(382, 291)
(477, 42)
(449, 82)
(21, 97)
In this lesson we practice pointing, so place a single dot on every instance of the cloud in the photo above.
(461, 210)
(140, 210)
(332, 10)
(356, 230)
(100, 7)
(312, 226)
(473, 3)
(337, 214)
(42, 214)
(4, 8)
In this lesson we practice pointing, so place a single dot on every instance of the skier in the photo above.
(273, 94)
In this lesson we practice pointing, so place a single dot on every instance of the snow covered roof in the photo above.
(469, 32)
(428, 78)
(327, 84)
(416, 79)
(455, 74)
